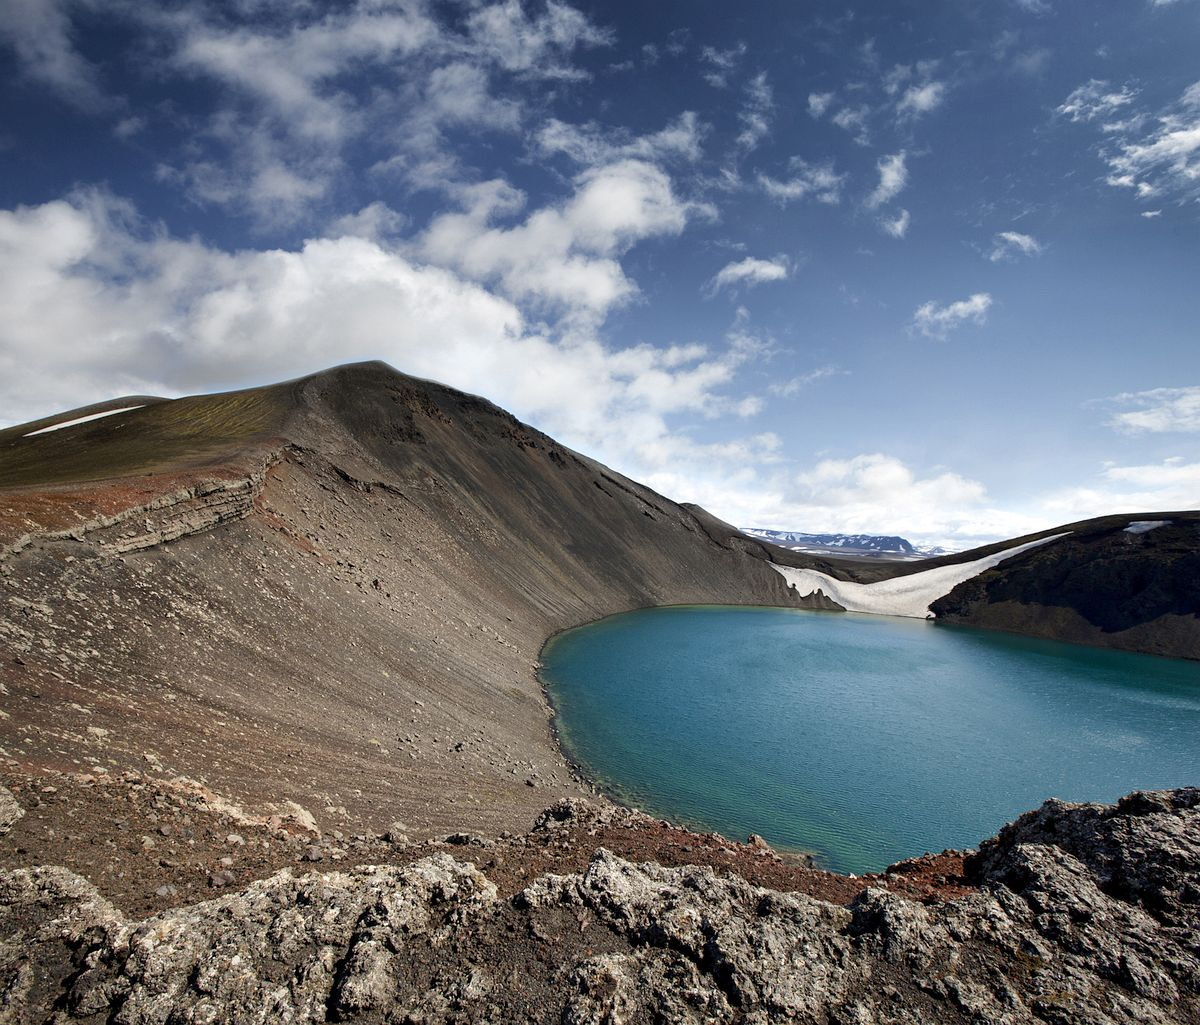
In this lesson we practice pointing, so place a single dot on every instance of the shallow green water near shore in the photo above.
(864, 739)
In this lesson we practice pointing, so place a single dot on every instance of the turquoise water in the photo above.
(865, 739)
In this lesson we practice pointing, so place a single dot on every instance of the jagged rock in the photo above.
(283, 949)
(10, 810)
(566, 812)
(294, 815)
(1084, 914)
(50, 919)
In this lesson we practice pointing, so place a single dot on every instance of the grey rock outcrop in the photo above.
(1083, 913)
(10, 810)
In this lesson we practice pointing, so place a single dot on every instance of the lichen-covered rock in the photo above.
(1082, 914)
(286, 948)
(49, 919)
(10, 810)
(1144, 848)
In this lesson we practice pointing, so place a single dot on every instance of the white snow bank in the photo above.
(80, 420)
(1141, 526)
(901, 596)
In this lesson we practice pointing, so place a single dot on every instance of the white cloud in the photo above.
(896, 226)
(750, 271)
(300, 88)
(562, 258)
(895, 79)
(721, 63)
(374, 221)
(460, 94)
(818, 103)
(1151, 214)
(287, 72)
(590, 144)
(1167, 158)
(1095, 100)
(97, 303)
(854, 120)
(820, 182)
(39, 33)
(867, 493)
(879, 493)
(1171, 485)
(934, 321)
(755, 115)
(1032, 62)
(1159, 410)
(794, 385)
(919, 92)
(1152, 155)
(921, 99)
(893, 176)
(274, 182)
(1007, 245)
(859, 487)
(128, 127)
(507, 36)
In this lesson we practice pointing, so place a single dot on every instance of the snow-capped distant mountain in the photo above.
(879, 546)
(935, 550)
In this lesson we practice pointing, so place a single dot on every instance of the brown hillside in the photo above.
(361, 570)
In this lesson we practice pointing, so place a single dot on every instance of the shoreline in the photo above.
(801, 857)
(616, 795)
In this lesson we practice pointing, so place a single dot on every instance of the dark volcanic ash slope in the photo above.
(330, 592)
(1104, 584)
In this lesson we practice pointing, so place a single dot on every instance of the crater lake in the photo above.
(861, 739)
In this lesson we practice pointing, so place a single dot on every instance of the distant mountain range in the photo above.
(877, 546)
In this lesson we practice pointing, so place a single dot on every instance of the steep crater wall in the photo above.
(1137, 590)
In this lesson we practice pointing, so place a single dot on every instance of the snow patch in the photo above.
(1141, 526)
(901, 596)
(80, 420)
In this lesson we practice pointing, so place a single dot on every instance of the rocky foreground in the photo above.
(1074, 913)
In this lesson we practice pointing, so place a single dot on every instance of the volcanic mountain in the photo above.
(301, 623)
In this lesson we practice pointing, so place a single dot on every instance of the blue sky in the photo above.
(920, 268)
